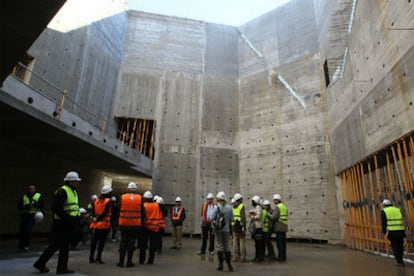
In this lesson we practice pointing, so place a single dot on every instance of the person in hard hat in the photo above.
(177, 219)
(162, 223)
(30, 204)
(256, 222)
(131, 216)
(223, 239)
(114, 218)
(100, 224)
(85, 222)
(66, 223)
(206, 227)
(239, 229)
(90, 204)
(280, 226)
(150, 229)
(268, 229)
(392, 222)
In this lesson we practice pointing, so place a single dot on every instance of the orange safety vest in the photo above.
(178, 216)
(204, 212)
(99, 207)
(130, 212)
(151, 221)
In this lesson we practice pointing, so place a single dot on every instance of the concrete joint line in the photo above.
(270, 69)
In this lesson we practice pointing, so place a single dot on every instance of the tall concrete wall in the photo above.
(182, 73)
(373, 104)
(80, 52)
(284, 148)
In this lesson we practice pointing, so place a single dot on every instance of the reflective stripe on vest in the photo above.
(265, 220)
(152, 216)
(394, 218)
(130, 213)
(99, 207)
(70, 206)
(237, 213)
(26, 201)
(283, 213)
(176, 216)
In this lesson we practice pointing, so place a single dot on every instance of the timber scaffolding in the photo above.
(388, 173)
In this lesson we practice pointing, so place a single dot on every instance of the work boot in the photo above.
(151, 258)
(220, 259)
(121, 259)
(129, 259)
(228, 260)
(99, 258)
(40, 267)
(141, 256)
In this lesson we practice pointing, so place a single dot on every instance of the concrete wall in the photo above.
(373, 104)
(182, 73)
(284, 148)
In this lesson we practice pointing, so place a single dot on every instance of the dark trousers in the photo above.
(207, 234)
(397, 245)
(129, 237)
(259, 243)
(61, 238)
(26, 226)
(268, 244)
(99, 237)
(281, 245)
(151, 238)
(160, 234)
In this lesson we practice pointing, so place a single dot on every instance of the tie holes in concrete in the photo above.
(90, 133)
(30, 100)
(73, 124)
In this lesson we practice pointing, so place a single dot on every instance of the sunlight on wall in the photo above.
(76, 14)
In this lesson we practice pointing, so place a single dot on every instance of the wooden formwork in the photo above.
(387, 173)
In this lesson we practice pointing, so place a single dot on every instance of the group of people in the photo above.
(263, 221)
(142, 220)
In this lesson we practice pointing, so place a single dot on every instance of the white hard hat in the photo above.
(178, 199)
(156, 197)
(160, 200)
(210, 196)
(233, 200)
(94, 197)
(266, 202)
(113, 198)
(147, 194)
(106, 189)
(72, 176)
(387, 202)
(82, 210)
(221, 196)
(132, 186)
(256, 199)
(277, 197)
(38, 216)
(238, 196)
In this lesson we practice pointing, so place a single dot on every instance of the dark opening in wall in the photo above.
(22, 70)
(326, 73)
(138, 134)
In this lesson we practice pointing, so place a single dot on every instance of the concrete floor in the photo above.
(303, 259)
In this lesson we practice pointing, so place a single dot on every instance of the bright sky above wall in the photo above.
(227, 12)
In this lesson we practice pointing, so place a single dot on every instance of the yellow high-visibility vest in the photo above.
(71, 205)
(394, 218)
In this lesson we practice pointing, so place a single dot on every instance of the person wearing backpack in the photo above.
(222, 216)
